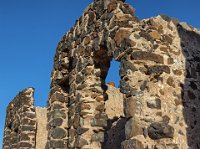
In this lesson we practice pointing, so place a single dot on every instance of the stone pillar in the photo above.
(20, 126)
(6, 138)
(57, 119)
(86, 115)
(27, 128)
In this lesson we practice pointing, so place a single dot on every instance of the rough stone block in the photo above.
(160, 130)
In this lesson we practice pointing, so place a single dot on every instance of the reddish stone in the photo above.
(112, 83)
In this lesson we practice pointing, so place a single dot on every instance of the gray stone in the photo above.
(56, 122)
(57, 106)
(145, 132)
(132, 128)
(142, 55)
(81, 130)
(99, 122)
(30, 115)
(160, 130)
(132, 144)
(24, 137)
(58, 133)
(25, 144)
(158, 70)
(80, 142)
(99, 137)
(57, 144)
(58, 114)
(101, 116)
(79, 78)
(144, 85)
(129, 129)
(100, 108)
(76, 120)
(125, 65)
(28, 128)
(154, 103)
(57, 97)
(145, 35)
(136, 93)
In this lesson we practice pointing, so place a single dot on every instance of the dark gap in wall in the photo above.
(114, 132)
(64, 84)
(102, 61)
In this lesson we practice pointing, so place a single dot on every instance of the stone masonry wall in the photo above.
(153, 72)
(157, 103)
(20, 125)
(81, 64)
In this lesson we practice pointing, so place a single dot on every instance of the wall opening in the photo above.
(113, 73)
(102, 62)
(107, 70)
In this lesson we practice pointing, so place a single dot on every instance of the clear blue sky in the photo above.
(31, 29)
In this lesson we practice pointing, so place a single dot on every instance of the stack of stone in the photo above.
(20, 126)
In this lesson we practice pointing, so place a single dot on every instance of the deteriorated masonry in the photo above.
(20, 126)
(155, 107)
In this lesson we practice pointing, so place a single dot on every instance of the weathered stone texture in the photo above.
(20, 125)
(157, 103)
(41, 133)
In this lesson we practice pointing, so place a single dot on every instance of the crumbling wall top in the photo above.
(20, 125)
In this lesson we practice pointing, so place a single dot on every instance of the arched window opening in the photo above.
(113, 76)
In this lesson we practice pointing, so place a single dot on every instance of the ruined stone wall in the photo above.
(20, 125)
(157, 103)
(153, 72)
(78, 91)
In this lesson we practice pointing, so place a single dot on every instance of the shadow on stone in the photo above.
(190, 44)
(115, 133)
